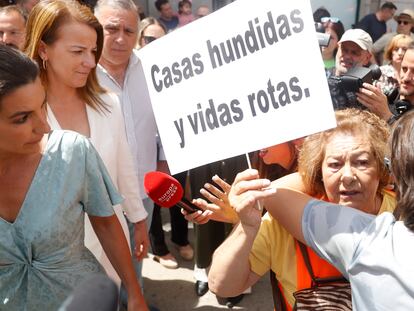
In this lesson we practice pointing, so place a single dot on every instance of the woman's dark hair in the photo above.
(402, 166)
(182, 3)
(16, 70)
(339, 29)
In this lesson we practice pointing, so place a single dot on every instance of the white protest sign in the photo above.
(243, 78)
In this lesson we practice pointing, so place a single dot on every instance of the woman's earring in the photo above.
(44, 64)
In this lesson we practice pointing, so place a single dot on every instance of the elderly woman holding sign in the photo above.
(374, 253)
(342, 165)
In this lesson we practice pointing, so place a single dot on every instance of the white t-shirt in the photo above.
(376, 254)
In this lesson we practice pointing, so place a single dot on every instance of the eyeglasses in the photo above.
(330, 19)
(403, 22)
(148, 39)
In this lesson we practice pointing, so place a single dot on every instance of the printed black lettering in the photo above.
(252, 97)
(284, 94)
(198, 64)
(180, 129)
(297, 21)
(177, 73)
(188, 68)
(155, 70)
(211, 116)
(296, 89)
(271, 91)
(270, 29)
(167, 77)
(214, 53)
(225, 115)
(238, 112)
(238, 42)
(193, 122)
(284, 29)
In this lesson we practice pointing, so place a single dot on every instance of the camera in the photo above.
(323, 38)
(352, 81)
(402, 106)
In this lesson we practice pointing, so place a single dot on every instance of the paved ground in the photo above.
(173, 290)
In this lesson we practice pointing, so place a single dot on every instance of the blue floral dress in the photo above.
(42, 253)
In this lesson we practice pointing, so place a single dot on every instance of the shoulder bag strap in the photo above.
(305, 256)
(315, 280)
(278, 300)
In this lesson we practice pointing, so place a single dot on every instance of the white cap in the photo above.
(358, 36)
(406, 13)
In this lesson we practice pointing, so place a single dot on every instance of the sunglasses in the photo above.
(403, 22)
(148, 39)
(330, 19)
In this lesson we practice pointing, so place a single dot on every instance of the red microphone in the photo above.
(166, 191)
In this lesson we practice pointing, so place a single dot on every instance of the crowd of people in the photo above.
(78, 135)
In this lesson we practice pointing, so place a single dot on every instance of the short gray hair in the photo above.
(14, 8)
(127, 5)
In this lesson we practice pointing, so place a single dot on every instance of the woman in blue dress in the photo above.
(47, 183)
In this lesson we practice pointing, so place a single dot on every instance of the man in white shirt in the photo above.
(118, 71)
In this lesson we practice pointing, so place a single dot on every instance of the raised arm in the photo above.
(287, 205)
(230, 272)
(218, 207)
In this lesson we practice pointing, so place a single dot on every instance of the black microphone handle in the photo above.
(188, 206)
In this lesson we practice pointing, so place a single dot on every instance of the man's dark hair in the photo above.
(388, 5)
(7, 2)
(160, 3)
(319, 13)
(16, 70)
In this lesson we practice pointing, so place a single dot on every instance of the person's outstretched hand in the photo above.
(244, 196)
(217, 207)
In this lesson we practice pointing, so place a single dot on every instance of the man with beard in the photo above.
(354, 50)
(405, 100)
(393, 109)
(407, 75)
